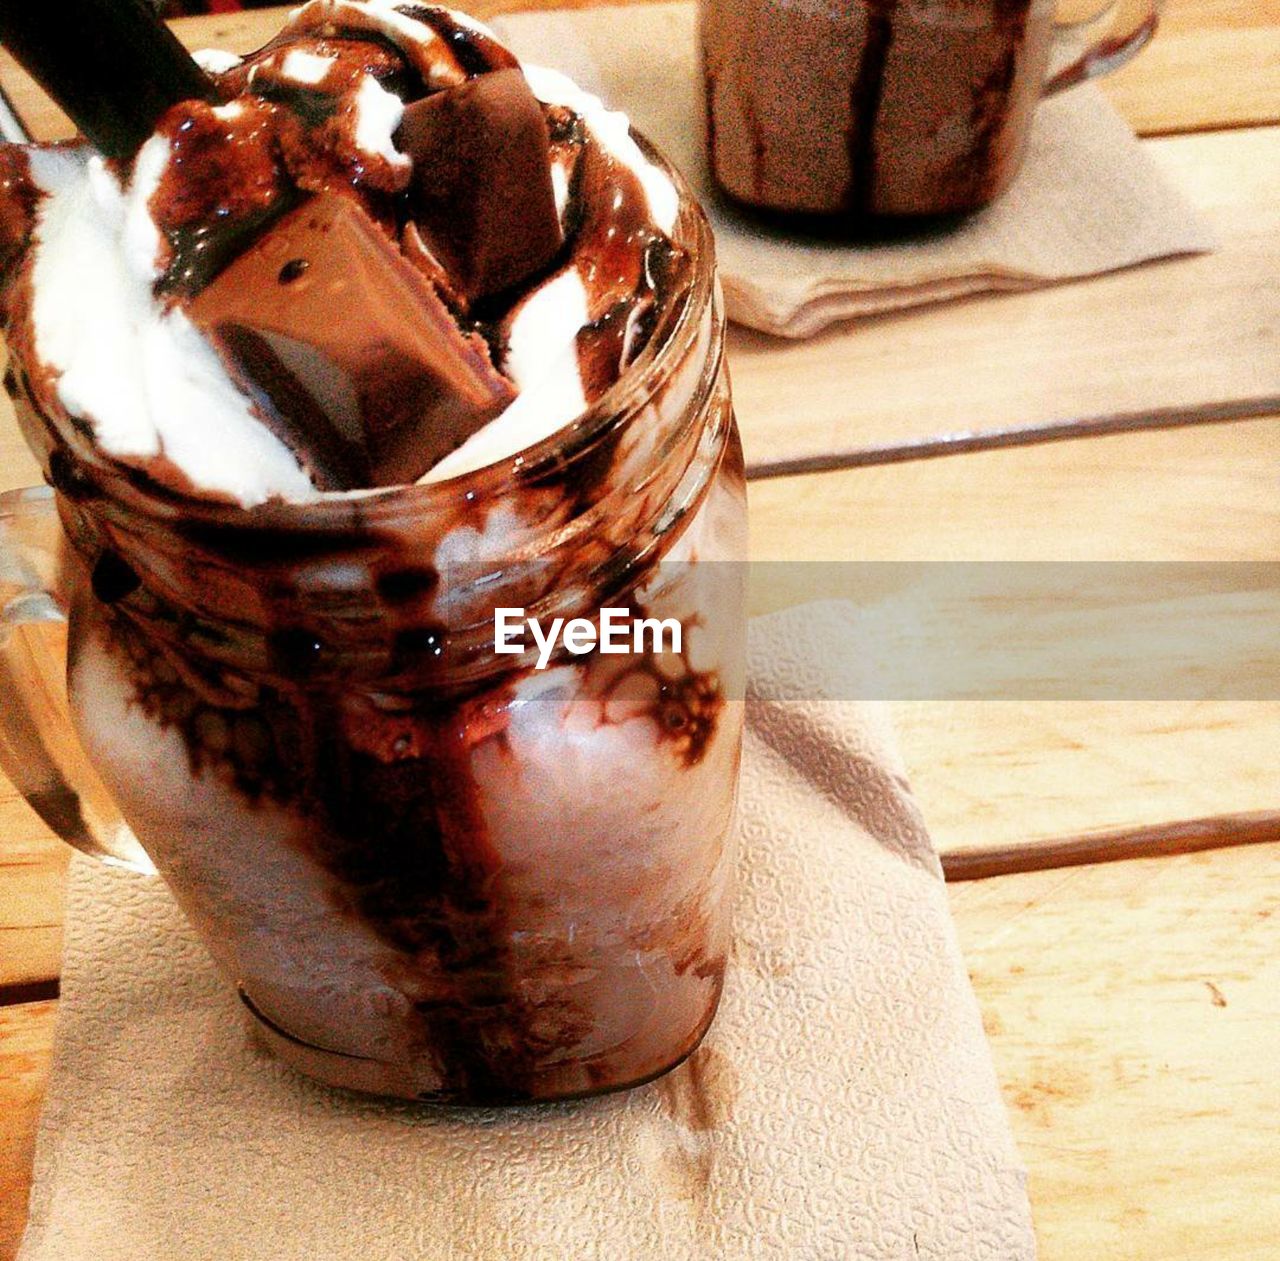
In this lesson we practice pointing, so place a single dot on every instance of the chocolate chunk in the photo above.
(350, 355)
(223, 183)
(481, 194)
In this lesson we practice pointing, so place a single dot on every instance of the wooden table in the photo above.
(1127, 956)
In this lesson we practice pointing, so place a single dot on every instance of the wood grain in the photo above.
(26, 1043)
(1152, 341)
(1213, 63)
(1017, 771)
(1133, 1011)
(1205, 493)
(18, 466)
(32, 874)
(1004, 774)
(32, 862)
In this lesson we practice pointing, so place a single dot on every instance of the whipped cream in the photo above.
(139, 373)
(131, 364)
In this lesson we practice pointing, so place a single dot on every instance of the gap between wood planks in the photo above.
(1162, 840)
(1201, 129)
(1064, 430)
(29, 992)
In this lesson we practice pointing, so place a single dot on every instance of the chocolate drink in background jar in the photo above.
(868, 109)
(376, 335)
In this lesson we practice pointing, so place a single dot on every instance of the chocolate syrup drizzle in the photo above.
(384, 790)
(378, 765)
(864, 105)
(229, 180)
(390, 809)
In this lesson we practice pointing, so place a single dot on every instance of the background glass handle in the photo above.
(39, 751)
(1129, 26)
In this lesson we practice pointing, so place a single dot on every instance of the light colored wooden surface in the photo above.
(1134, 1013)
(1204, 493)
(32, 869)
(1009, 773)
(1160, 338)
(1213, 64)
(31, 861)
(1003, 772)
(1132, 1007)
(26, 1038)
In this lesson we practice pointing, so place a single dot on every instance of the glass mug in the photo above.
(429, 870)
(888, 108)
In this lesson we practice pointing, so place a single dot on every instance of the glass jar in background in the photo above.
(890, 108)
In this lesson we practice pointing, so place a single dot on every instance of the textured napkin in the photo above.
(1087, 200)
(843, 1105)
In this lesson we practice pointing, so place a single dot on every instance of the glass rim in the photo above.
(131, 489)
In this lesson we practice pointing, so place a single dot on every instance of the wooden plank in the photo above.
(32, 876)
(1178, 84)
(17, 465)
(1213, 63)
(1184, 16)
(26, 1043)
(1205, 493)
(1150, 342)
(1011, 772)
(1005, 774)
(32, 861)
(1133, 1011)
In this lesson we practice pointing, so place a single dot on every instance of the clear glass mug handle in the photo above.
(39, 751)
(1128, 28)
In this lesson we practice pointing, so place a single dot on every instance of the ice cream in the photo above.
(373, 242)
(391, 334)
